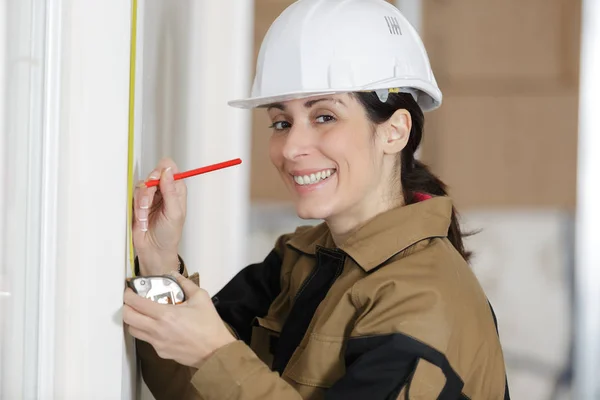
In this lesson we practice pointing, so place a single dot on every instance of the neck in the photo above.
(342, 226)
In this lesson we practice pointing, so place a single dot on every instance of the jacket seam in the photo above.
(240, 382)
(355, 295)
(309, 382)
(405, 252)
(408, 382)
(237, 335)
(313, 273)
(327, 339)
(355, 292)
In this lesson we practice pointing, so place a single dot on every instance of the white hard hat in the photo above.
(318, 47)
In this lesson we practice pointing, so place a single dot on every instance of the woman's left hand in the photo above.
(187, 333)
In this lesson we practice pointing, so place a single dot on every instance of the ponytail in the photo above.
(416, 177)
(420, 180)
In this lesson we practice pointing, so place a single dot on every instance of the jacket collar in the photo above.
(384, 236)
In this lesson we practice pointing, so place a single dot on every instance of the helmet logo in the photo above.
(393, 25)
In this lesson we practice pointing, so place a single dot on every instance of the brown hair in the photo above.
(415, 176)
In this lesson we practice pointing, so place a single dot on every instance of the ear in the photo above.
(396, 132)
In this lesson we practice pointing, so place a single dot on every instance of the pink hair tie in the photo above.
(422, 196)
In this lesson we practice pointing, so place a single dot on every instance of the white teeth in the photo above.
(313, 178)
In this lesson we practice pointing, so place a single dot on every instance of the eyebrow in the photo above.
(308, 104)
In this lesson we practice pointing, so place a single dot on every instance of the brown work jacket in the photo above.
(393, 313)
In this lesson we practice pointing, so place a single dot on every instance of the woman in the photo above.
(376, 302)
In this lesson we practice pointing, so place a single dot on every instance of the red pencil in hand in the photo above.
(198, 171)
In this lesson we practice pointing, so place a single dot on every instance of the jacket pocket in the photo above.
(265, 335)
(320, 363)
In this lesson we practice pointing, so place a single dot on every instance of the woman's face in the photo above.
(333, 160)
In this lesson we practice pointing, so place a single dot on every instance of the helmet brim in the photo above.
(428, 97)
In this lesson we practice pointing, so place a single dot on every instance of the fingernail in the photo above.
(144, 225)
(145, 202)
(169, 174)
(142, 215)
(175, 274)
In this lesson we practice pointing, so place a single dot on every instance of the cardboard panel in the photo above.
(506, 134)
(505, 151)
(509, 45)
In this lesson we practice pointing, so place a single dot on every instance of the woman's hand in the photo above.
(187, 333)
(159, 215)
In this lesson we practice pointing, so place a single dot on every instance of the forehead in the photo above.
(343, 99)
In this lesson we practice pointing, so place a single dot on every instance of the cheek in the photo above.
(351, 149)
(276, 150)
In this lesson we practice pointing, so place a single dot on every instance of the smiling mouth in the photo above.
(311, 179)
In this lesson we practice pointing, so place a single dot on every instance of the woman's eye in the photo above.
(280, 125)
(322, 119)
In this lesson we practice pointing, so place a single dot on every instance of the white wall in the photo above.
(189, 64)
(92, 193)
(192, 64)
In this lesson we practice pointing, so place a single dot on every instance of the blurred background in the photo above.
(513, 140)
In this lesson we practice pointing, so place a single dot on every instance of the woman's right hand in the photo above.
(159, 215)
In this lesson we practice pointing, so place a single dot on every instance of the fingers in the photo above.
(167, 185)
(189, 287)
(166, 163)
(136, 320)
(143, 198)
(173, 193)
(139, 334)
(143, 306)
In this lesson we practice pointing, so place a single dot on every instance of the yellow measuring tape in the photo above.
(130, 161)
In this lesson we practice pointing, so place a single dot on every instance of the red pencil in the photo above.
(198, 171)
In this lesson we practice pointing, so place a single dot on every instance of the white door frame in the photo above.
(587, 244)
(84, 187)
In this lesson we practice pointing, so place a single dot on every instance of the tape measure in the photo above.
(130, 150)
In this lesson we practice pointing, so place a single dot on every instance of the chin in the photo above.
(310, 210)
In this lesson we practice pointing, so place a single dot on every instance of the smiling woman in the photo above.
(378, 301)
(333, 159)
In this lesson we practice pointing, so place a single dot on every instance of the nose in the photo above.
(299, 142)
